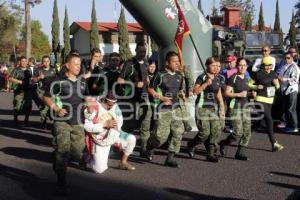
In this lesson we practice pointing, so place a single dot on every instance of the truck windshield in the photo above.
(272, 39)
(254, 39)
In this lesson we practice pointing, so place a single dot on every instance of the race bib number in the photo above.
(270, 91)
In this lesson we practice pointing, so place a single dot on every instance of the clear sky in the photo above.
(80, 10)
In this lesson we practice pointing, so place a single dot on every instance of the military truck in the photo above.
(246, 43)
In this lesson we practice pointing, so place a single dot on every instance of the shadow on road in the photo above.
(193, 195)
(25, 153)
(90, 186)
(30, 138)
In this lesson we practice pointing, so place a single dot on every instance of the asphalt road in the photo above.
(26, 170)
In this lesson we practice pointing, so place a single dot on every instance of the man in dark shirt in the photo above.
(68, 134)
(44, 75)
(21, 76)
(135, 72)
(169, 112)
(95, 67)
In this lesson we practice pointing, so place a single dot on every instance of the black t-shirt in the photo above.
(24, 75)
(169, 84)
(265, 79)
(112, 77)
(98, 79)
(239, 85)
(135, 72)
(49, 76)
(71, 94)
(207, 98)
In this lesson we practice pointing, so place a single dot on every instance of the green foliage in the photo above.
(10, 22)
(94, 35)
(261, 21)
(55, 29)
(123, 38)
(247, 8)
(39, 40)
(297, 15)
(277, 27)
(67, 45)
(293, 32)
(248, 23)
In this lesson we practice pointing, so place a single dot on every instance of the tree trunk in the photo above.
(28, 29)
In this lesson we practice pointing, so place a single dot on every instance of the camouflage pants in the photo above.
(68, 143)
(241, 120)
(184, 111)
(44, 109)
(145, 117)
(209, 125)
(169, 122)
(22, 103)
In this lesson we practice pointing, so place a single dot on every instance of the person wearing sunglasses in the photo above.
(258, 62)
(289, 78)
(265, 83)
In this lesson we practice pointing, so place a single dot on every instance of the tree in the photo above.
(10, 22)
(67, 46)
(40, 42)
(123, 38)
(231, 3)
(55, 32)
(297, 15)
(261, 21)
(293, 32)
(214, 10)
(94, 35)
(247, 8)
(248, 23)
(200, 6)
(277, 19)
(28, 4)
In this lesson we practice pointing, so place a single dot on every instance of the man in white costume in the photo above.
(103, 122)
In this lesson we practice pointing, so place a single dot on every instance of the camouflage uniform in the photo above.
(22, 94)
(241, 120)
(207, 117)
(68, 135)
(68, 142)
(169, 116)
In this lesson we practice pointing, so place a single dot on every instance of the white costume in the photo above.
(103, 138)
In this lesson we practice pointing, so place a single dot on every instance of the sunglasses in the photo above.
(265, 50)
(287, 58)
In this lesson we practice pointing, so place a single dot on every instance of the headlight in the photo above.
(221, 34)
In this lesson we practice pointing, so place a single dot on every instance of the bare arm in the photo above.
(221, 103)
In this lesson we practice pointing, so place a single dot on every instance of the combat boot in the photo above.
(211, 157)
(61, 185)
(16, 120)
(225, 143)
(26, 120)
(170, 161)
(240, 154)
(191, 147)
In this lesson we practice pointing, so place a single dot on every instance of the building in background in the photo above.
(108, 37)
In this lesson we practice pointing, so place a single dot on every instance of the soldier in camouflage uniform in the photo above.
(169, 112)
(67, 132)
(237, 89)
(209, 109)
(44, 76)
(21, 77)
(147, 121)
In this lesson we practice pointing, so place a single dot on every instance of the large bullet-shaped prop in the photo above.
(159, 18)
